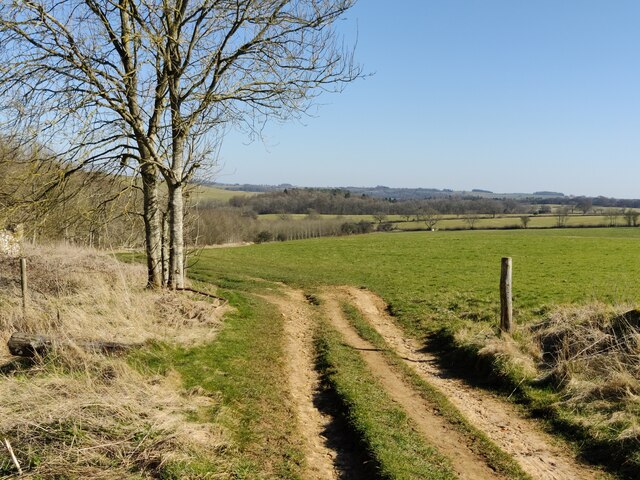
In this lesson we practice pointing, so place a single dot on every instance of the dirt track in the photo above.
(303, 384)
(330, 452)
(429, 423)
(539, 454)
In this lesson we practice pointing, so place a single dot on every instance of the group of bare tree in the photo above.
(342, 202)
(36, 192)
(147, 87)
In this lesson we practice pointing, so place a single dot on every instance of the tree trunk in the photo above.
(165, 249)
(175, 177)
(176, 210)
(176, 237)
(152, 226)
(27, 345)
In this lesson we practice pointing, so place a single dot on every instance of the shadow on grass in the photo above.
(352, 460)
(620, 458)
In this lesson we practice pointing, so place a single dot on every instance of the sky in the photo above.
(503, 95)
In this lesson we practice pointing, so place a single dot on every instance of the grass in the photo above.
(198, 400)
(431, 279)
(452, 222)
(496, 458)
(512, 221)
(205, 193)
(398, 450)
(344, 218)
(591, 357)
(444, 285)
(244, 367)
(76, 414)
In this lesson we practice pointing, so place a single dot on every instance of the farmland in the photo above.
(158, 324)
(318, 370)
(429, 277)
(207, 193)
(444, 285)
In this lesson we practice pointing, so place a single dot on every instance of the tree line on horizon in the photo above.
(108, 215)
(344, 202)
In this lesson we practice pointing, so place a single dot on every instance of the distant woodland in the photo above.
(104, 210)
(346, 202)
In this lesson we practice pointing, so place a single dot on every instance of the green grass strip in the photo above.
(386, 431)
(244, 366)
(481, 444)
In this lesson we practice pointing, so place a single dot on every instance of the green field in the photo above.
(512, 221)
(447, 283)
(204, 193)
(442, 282)
(429, 277)
(452, 222)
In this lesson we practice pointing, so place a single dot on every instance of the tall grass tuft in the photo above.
(77, 414)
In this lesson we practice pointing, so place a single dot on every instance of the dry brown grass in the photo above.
(513, 357)
(81, 415)
(82, 294)
(591, 353)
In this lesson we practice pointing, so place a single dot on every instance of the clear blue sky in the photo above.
(505, 95)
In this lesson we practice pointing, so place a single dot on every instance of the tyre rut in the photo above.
(329, 452)
(433, 427)
(539, 454)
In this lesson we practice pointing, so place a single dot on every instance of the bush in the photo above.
(264, 236)
(350, 228)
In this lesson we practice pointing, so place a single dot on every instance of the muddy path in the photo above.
(330, 453)
(539, 454)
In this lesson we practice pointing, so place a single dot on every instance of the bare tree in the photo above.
(471, 219)
(379, 217)
(584, 204)
(76, 74)
(612, 215)
(431, 217)
(524, 220)
(631, 216)
(238, 61)
(163, 77)
(562, 214)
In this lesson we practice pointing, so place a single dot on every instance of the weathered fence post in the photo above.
(506, 307)
(23, 283)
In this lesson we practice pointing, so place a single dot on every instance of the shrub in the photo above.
(350, 228)
(264, 236)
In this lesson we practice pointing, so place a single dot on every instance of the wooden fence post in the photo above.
(506, 307)
(23, 283)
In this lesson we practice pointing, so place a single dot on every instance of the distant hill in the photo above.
(548, 194)
(246, 187)
(381, 191)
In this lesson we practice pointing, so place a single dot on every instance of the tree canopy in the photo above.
(149, 85)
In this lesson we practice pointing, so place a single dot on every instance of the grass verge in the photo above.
(386, 431)
(79, 414)
(244, 368)
(596, 442)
